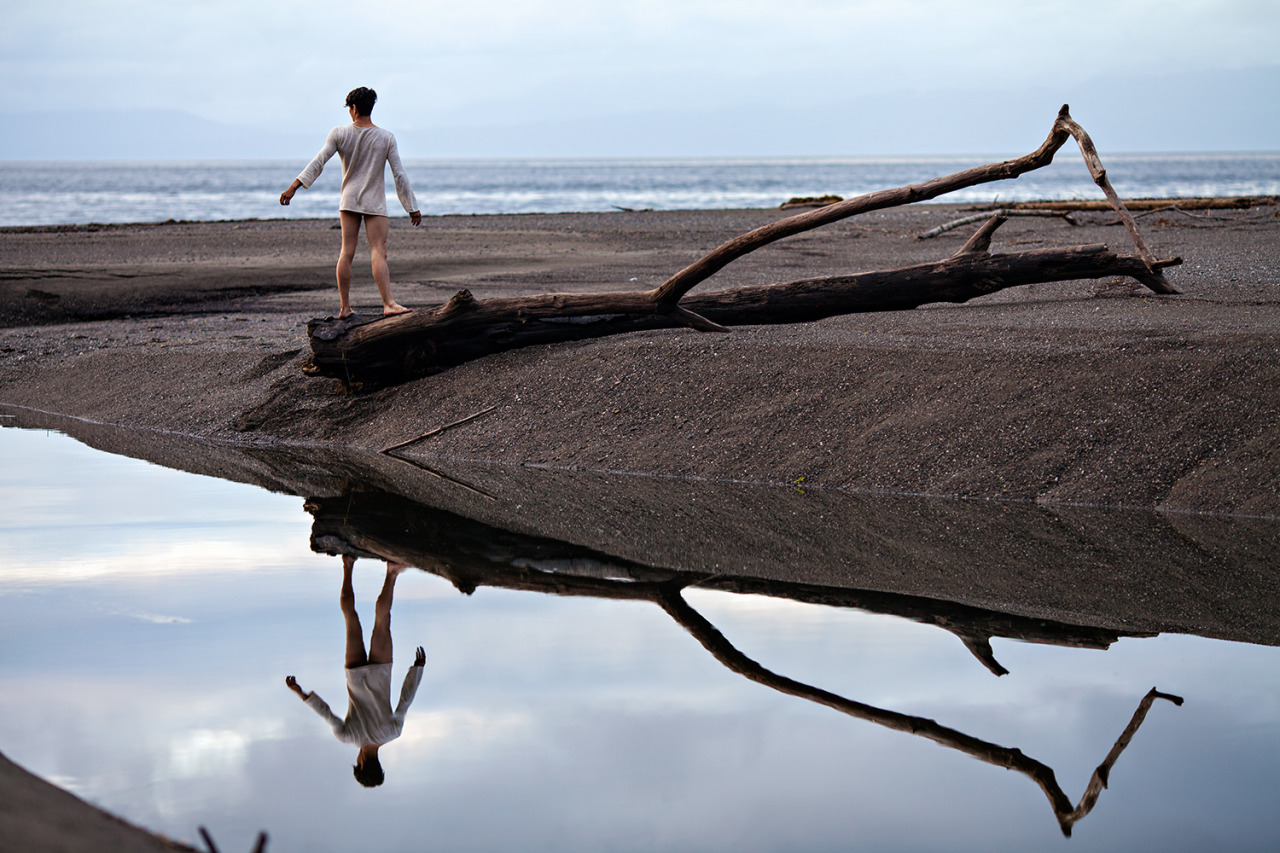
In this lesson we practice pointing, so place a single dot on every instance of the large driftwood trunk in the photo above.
(371, 352)
(463, 328)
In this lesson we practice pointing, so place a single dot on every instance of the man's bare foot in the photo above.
(342, 315)
(395, 308)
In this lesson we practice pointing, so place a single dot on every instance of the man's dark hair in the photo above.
(369, 773)
(362, 99)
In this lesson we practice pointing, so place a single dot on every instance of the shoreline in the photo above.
(1136, 204)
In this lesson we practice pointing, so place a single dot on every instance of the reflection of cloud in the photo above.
(158, 619)
(142, 559)
(68, 783)
(206, 752)
(781, 614)
(780, 611)
(433, 731)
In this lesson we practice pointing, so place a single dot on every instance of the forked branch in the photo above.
(1063, 128)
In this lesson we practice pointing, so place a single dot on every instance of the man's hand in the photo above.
(287, 195)
(415, 216)
(419, 657)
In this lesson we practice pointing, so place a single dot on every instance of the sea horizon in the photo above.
(69, 192)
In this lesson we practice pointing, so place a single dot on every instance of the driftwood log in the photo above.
(367, 352)
(1231, 203)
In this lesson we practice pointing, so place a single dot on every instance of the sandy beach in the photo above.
(1090, 392)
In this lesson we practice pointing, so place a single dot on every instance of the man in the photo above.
(365, 150)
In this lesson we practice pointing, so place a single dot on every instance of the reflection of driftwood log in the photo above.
(470, 554)
(1001, 756)
(364, 351)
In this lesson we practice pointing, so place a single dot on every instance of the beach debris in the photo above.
(1233, 203)
(366, 352)
(978, 217)
(432, 432)
(260, 846)
(810, 201)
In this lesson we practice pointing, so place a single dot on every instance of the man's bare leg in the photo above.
(380, 642)
(350, 238)
(376, 228)
(347, 600)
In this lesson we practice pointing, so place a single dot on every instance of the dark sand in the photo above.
(1049, 406)
(1092, 392)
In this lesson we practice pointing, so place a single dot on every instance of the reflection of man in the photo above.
(370, 721)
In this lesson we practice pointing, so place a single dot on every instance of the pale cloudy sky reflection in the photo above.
(577, 724)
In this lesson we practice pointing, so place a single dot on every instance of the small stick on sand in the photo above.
(978, 217)
(438, 430)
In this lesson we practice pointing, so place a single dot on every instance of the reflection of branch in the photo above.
(422, 466)
(722, 650)
(980, 648)
(469, 553)
(1101, 774)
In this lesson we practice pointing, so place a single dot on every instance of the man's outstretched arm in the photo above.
(411, 680)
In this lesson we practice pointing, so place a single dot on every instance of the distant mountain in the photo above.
(1212, 111)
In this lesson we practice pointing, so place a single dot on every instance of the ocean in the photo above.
(57, 193)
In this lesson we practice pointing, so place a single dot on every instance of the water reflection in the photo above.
(470, 554)
(578, 715)
(370, 722)
(1012, 759)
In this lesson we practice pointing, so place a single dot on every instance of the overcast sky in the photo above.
(284, 67)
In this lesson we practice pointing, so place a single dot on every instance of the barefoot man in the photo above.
(370, 722)
(365, 150)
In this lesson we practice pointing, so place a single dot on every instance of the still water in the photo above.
(149, 618)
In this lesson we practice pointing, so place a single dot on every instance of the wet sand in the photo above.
(1091, 392)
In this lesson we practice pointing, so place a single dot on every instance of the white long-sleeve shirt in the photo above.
(365, 152)
(370, 719)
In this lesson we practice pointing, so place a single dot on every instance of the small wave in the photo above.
(57, 193)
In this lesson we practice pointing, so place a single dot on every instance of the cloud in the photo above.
(292, 60)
